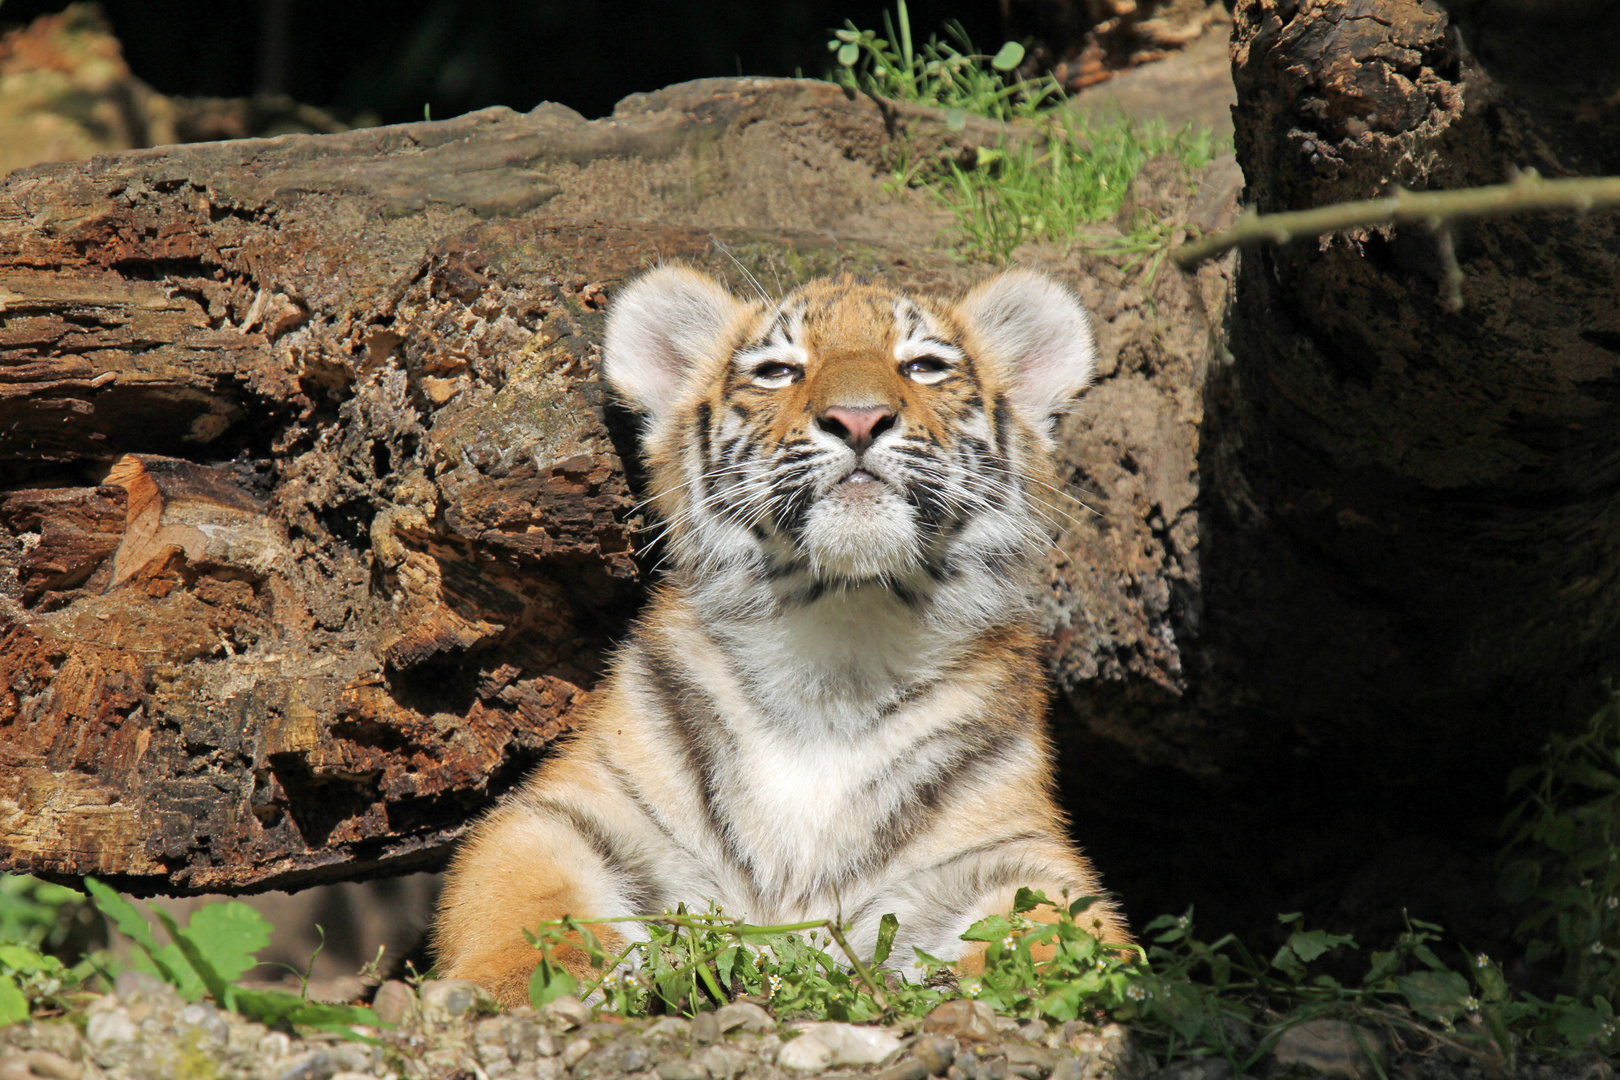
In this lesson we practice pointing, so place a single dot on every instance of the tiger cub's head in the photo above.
(848, 434)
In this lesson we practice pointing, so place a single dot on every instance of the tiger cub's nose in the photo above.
(857, 427)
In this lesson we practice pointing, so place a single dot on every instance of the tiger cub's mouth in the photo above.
(858, 476)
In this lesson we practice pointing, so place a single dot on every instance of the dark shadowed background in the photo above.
(390, 59)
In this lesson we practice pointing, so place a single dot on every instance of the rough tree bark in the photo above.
(1408, 524)
(1431, 493)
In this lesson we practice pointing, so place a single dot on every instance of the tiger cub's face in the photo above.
(848, 434)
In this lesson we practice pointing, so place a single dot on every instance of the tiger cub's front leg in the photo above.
(536, 859)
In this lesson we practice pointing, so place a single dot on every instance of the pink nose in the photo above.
(857, 427)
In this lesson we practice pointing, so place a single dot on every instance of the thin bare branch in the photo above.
(1525, 192)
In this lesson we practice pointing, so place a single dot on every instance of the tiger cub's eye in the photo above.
(775, 374)
(926, 369)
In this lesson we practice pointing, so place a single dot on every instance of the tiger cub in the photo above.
(834, 703)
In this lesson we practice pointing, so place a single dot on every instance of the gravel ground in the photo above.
(143, 1030)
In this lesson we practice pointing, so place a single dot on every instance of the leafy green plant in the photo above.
(1181, 995)
(693, 961)
(36, 913)
(32, 981)
(942, 74)
(216, 947)
(1563, 854)
(38, 923)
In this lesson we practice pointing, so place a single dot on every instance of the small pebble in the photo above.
(1029, 1061)
(572, 1012)
(1068, 1067)
(630, 1054)
(847, 1044)
(705, 1027)
(395, 1001)
(453, 999)
(965, 1067)
(805, 1054)
(275, 1044)
(315, 1065)
(110, 1029)
(906, 1069)
(670, 1027)
(962, 1019)
(492, 1042)
(746, 1015)
(206, 1019)
(935, 1051)
(723, 1062)
(1331, 1047)
(681, 1069)
(133, 986)
(574, 1051)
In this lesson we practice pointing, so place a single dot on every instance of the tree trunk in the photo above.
(1407, 536)
(1432, 493)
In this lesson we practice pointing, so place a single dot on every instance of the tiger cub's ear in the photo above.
(1038, 331)
(660, 328)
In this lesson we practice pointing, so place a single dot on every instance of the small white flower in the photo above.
(1100, 964)
(1597, 948)
(1612, 902)
(1182, 921)
(1482, 961)
(1008, 942)
(1135, 993)
(1471, 1003)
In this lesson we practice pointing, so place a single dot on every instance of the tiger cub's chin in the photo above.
(860, 530)
(835, 700)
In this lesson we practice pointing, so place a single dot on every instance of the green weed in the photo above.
(216, 947)
(947, 76)
(1563, 855)
(39, 925)
(1181, 996)
(693, 961)
(1080, 176)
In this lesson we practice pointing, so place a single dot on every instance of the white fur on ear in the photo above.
(1039, 331)
(661, 326)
